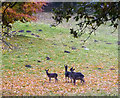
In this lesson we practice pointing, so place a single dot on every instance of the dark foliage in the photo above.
(89, 15)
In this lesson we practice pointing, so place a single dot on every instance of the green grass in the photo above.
(99, 54)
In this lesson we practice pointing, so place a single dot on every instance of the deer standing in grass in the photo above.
(51, 75)
(76, 76)
(67, 74)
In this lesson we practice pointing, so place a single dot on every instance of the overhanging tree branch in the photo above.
(102, 12)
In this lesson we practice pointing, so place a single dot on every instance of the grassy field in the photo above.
(99, 63)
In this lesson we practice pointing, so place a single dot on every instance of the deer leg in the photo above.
(49, 80)
(74, 81)
(65, 78)
(68, 79)
(83, 80)
(56, 80)
(71, 80)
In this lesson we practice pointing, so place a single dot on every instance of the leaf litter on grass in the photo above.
(32, 85)
(20, 80)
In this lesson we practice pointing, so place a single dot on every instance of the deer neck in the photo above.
(65, 69)
(47, 73)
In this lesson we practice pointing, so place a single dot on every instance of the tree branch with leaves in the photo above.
(90, 15)
(17, 11)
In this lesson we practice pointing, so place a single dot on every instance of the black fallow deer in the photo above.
(51, 75)
(76, 76)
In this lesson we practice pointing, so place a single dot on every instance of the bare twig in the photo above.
(8, 44)
(93, 30)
